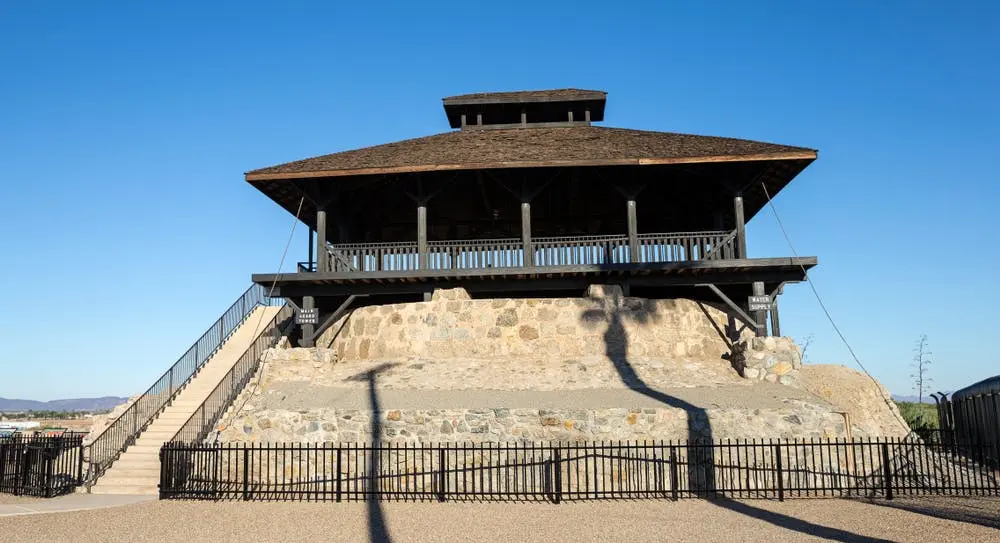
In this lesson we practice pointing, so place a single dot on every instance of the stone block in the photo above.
(527, 333)
(781, 368)
(507, 318)
(458, 293)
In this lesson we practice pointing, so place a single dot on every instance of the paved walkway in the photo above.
(688, 520)
(13, 505)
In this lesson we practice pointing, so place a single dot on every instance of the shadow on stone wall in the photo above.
(608, 306)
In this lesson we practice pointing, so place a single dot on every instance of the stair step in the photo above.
(152, 472)
(145, 490)
(122, 480)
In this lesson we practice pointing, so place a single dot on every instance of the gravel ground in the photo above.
(694, 520)
(295, 396)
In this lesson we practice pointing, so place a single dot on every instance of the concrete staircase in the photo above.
(137, 470)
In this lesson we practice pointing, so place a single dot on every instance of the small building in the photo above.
(528, 196)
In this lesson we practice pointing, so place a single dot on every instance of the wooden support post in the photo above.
(529, 251)
(308, 330)
(422, 235)
(633, 232)
(322, 254)
(311, 247)
(760, 317)
(775, 324)
(741, 233)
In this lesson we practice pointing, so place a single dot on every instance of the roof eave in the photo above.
(805, 154)
(591, 97)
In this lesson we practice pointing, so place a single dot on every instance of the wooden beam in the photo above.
(530, 164)
(760, 317)
(311, 247)
(633, 232)
(775, 323)
(332, 318)
(322, 254)
(741, 233)
(529, 251)
(422, 236)
(732, 305)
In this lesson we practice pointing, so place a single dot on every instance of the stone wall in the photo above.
(772, 359)
(799, 420)
(603, 323)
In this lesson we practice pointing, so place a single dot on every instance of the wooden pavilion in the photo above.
(527, 197)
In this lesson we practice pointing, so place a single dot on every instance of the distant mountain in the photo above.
(74, 404)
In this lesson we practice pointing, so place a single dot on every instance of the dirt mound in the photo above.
(863, 399)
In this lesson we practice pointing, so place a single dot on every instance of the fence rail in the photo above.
(42, 466)
(551, 251)
(104, 449)
(570, 471)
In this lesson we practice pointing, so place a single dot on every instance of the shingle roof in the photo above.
(551, 95)
(533, 147)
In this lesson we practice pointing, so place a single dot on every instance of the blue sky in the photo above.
(125, 130)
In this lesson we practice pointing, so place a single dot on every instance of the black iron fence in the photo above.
(123, 431)
(570, 471)
(972, 415)
(41, 465)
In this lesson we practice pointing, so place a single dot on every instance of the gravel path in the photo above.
(694, 520)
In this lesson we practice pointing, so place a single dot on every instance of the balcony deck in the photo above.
(563, 263)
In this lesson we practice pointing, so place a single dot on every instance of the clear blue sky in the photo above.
(125, 130)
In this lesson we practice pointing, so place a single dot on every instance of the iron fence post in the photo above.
(887, 471)
(48, 473)
(781, 481)
(443, 482)
(246, 474)
(79, 463)
(557, 476)
(217, 486)
(338, 473)
(674, 491)
(165, 471)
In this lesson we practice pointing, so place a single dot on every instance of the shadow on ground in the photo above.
(984, 511)
(378, 531)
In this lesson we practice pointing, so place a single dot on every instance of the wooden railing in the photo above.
(475, 254)
(546, 252)
(580, 250)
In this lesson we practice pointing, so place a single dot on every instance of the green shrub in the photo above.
(920, 416)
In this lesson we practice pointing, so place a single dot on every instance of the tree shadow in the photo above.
(613, 309)
(378, 531)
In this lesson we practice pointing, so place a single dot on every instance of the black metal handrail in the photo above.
(104, 449)
(204, 418)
